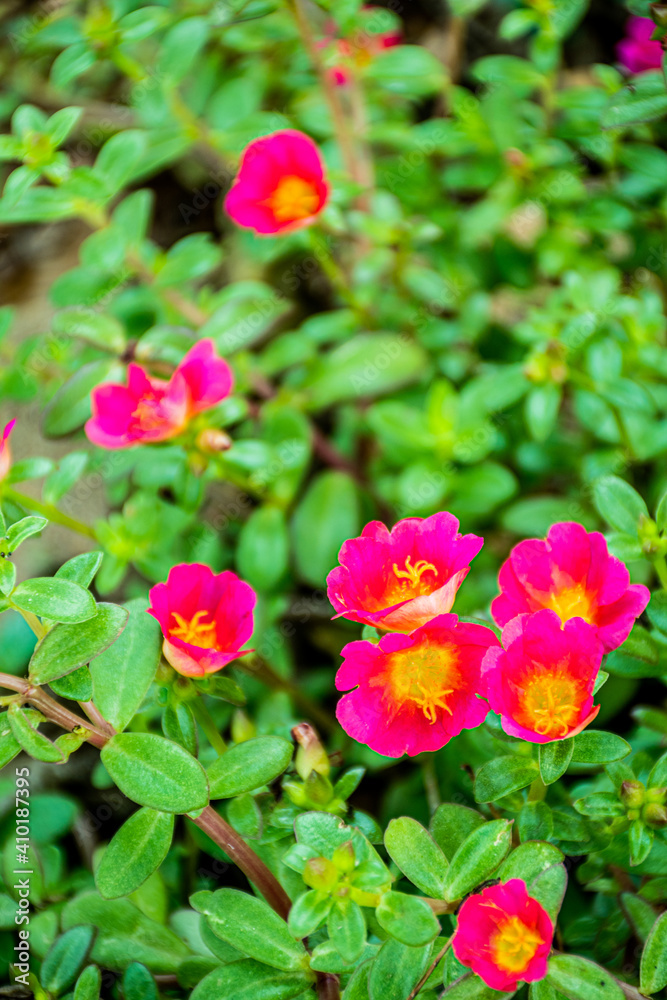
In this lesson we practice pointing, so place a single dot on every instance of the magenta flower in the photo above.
(504, 935)
(5, 453)
(352, 55)
(149, 409)
(205, 617)
(401, 579)
(572, 573)
(280, 185)
(541, 684)
(636, 52)
(414, 692)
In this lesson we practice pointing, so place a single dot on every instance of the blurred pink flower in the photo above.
(350, 55)
(572, 573)
(636, 52)
(541, 684)
(280, 186)
(504, 935)
(414, 692)
(205, 617)
(149, 409)
(401, 579)
(5, 453)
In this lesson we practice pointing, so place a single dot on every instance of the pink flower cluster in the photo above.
(637, 52)
(564, 602)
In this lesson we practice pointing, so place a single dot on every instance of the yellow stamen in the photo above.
(572, 602)
(294, 198)
(414, 573)
(514, 945)
(421, 676)
(551, 704)
(195, 631)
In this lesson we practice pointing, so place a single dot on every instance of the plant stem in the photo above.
(429, 972)
(96, 717)
(328, 987)
(264, 672)
(430, 781)
(52, 709)
(660, 565)
(49, 511)
(222, 834)
(32, 620)
(204, 719)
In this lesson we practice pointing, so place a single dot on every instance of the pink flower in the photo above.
(5, 453)
(151, 409)
(541, 684)
(504, 935)
(636, 52)
(350, 55)
(205, 617)
(572, 573)
(401, 579)
(414, 692)
(280, 185)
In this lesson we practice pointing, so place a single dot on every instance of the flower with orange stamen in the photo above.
(541, 684)
(504, 935)
(280, 185)
(205, 617)
(5, 453)
(572, 573)
(414, 692)
(400, 579)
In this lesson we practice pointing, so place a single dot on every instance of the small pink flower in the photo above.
(504, 935)
(414, 692)
(205, 617)
(401, 579)
(541, 684)
(149, 409)
(352, 55)
(5, 453)
(572, 573)
(280, 185)
(636, 52)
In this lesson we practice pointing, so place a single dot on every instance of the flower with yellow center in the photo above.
(196, 631)
(514, 945)
(294, 199)
(551, 704)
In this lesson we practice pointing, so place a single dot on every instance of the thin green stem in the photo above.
(429, 972)
(660, 564)
(263, 671)
(430, 777)
(49, 511)
(208, 725)
(32, 620)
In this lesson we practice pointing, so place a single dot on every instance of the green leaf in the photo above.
(249, 765)
(134, 853)
(138, 983)
(658, 776)
(653, 968)
(477, 857)
(418, 856)
(155, 772)
(596, 747)
(308, 911)
(7, 578)
(66, 647)
(23, 723)
(117, 161)
(529, 860)
(123, 673)
(250, 925)
(640, 914)
(407, 918)
(88, 984)
(396, 970)
(62, 963)
(81, 569)
(576, 977)
(548, 888)
(61, 123)
(640, 839)
(96, 328)
(554, 759)
(503, 776)
(657, 610)
(409, 70)
(619, 504)
(347, 930)
(633, 110)
(9, 745)
(25, 528)
(180, 47)
(471, 987)
(327, 516)
(248, 980)
(451, 824)
(77, 686)
(70, 406)
(178, 724)
(263, 548)
(368, 365)
(56, 599)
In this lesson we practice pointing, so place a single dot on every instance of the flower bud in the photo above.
(311, 755)
(296, 792)
(632, 794)
(343, 857)
(659, 14)
(318, 789)
(212, 441)
(243, 728)
(655, 816)
(320, 873)
(5, 453)
(658, 795)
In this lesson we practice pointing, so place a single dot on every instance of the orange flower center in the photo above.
(148, 413)
(514, 945)
(551, 704)
(409, 582)
(572, 602)
(423, 677)
(196, 631)
(294, 198)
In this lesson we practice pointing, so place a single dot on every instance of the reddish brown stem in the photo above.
(49, 707)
